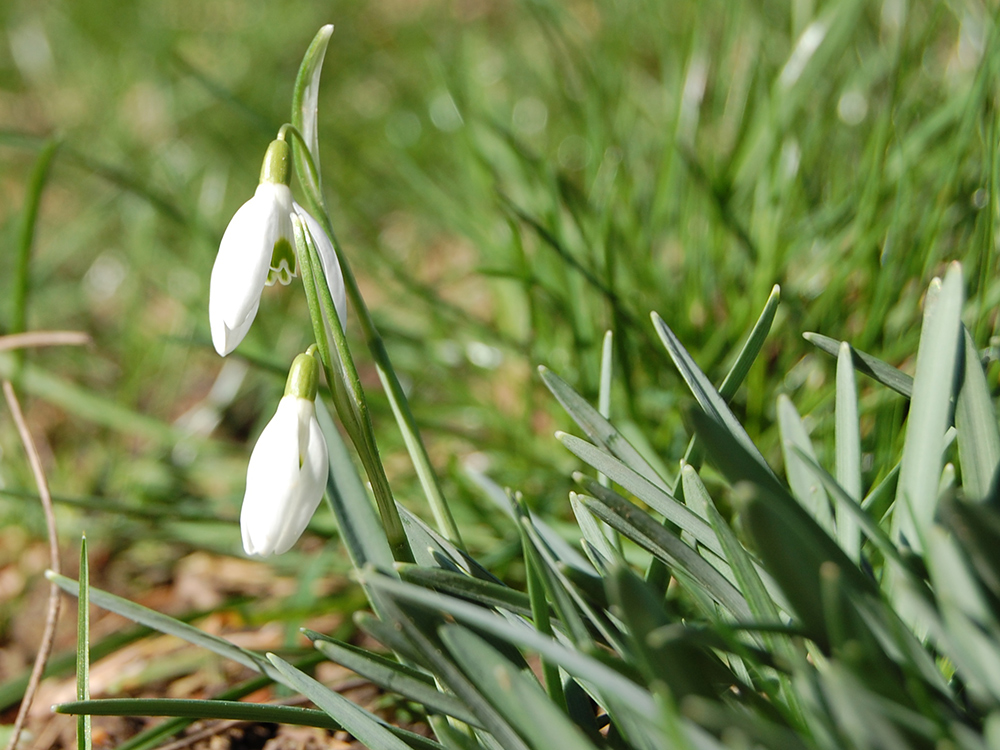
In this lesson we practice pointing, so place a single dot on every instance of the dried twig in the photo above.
(50, 523)
(43, 338)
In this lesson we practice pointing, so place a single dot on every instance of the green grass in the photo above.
(509, 182)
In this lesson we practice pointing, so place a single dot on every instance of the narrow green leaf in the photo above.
(430, 548)
(871, 366)
(420, 627)
(26, 237)
(357, 520)
(641, 528)
(751, 348)
(582, 666)
(368, 728)
(848, 439)
(165, 624)
(933, 385)
(791, 545)
(84, 739)
(976, 422)
(597, 428)
(518, 697)
(486, 593)
(805, 488)
(393, 676)
(200, 710)
(656, 498)
(848, 508)
(704, 392)
(593, 534)
(759, 600)
(305, 99)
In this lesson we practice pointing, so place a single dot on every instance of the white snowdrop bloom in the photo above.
(257, 250)
(288, 468)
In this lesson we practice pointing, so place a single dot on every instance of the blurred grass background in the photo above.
(510, 179)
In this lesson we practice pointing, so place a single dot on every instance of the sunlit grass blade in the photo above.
(357, 520)
(586, 668)
(871, 366)
(656, 498)
(305, 104)
(597, 428)
(752, 346)
(420, 627)
(704, 392)
(849, 508)
(368, 728)
(930, 411)
(517, 696)
(486, 593)
(26, 238)
(84, 739)
(805, 488)
(169, 625)
(393, 676)
(201, 710)
(848, 451)
(641, 528)
(976, 423)
(593, 534)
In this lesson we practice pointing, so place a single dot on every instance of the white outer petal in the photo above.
(328, 258)
(241, 266)
(281, 495)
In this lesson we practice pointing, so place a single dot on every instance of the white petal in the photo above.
(284, 486)
(328, 259)
(241, 266)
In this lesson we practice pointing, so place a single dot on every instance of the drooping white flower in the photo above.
(257, 249)
(288, 468)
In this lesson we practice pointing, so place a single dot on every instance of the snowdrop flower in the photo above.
(257, 250)
(288, 468)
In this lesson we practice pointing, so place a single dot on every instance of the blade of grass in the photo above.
(368, 728)
(874, 368)
(84, 739)
(976, 423)
(393, 676)
(923, 449)
(848, 451)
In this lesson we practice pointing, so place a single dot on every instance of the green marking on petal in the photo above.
(284, 265)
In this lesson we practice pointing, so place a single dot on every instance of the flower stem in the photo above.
(348, 395)
(393, 388)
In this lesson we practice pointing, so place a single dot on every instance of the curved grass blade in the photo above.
(420, 627)
(643, 529)
(930, 407)
(368, 728)
(518, 697)
(751, 348)
(805, 488)
(305, 104)
(704, 392)
(200, 710)
(597, 428)
(871, 366)
(655, 497)
(359, 525)
(976, 423)
(393, 676)
(582, 666)
(485, 593)
(165, 624)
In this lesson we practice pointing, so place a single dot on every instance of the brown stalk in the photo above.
(45, 649)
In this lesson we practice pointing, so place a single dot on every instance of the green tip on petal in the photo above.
(277, 166)
(303, 377)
